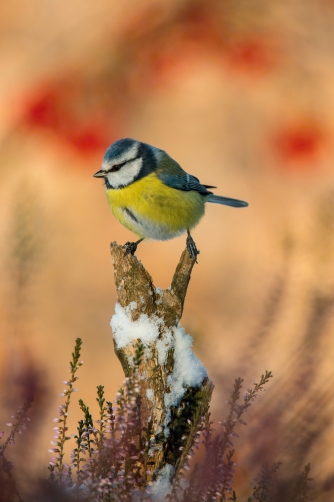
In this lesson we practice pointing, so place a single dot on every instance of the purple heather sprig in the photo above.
(226, 465)
(213, 479)
(57, 467)
(116, 469)
(19, 424)
(264, 483)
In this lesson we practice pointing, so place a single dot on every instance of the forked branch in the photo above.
(175, 388)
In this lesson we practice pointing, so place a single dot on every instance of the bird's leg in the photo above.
(131, 247)
(191, 246)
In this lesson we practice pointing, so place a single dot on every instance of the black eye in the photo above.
(116, 168)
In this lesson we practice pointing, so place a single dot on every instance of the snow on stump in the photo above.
(175, 390)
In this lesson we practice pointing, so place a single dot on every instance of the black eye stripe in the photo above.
(117, 167)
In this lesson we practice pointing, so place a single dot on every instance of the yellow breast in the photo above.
(153, 210)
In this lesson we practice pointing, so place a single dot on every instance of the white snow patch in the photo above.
(163, 345)
(187, 368)
(188, 372)
(162, 485)
(126, 331)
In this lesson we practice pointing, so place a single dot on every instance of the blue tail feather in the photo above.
(218, 199)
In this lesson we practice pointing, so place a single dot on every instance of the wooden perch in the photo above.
(134, 284)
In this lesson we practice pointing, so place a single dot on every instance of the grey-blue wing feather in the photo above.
(185, 182)
(171, 174)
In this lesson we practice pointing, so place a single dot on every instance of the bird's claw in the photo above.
(130, 248)
(192, 249)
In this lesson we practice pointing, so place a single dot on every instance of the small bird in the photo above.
(151, 195)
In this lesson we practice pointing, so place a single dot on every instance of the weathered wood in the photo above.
(134, 284)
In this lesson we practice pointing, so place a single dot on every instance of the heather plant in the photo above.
(264, 484)
(110, 460)
(216, 479)
(8, 485)
(59, 470)
(144, 446)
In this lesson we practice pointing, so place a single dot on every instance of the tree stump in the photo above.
(175, 389)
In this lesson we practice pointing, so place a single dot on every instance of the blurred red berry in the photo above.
(63, 108)
(252, 54)
(88, 140)
(44, 109)
(165, 46)
(299, 145)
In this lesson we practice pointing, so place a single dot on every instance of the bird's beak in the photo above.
(99, 174)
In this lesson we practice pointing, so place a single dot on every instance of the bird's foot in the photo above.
(131, 247)
(192, 249)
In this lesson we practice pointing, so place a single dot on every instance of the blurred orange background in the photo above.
(241, 94)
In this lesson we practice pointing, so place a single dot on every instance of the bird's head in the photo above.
(126, 161)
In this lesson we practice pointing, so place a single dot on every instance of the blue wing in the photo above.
(188, 182)
(171, 174)
(185, 182)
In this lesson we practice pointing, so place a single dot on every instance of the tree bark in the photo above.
(134, 284)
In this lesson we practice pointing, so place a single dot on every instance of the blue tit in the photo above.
(151, 195)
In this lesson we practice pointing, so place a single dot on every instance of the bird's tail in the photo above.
(218, 199)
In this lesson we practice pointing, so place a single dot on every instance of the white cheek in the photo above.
(126, 174)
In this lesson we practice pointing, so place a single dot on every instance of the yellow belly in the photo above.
(153, 210)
